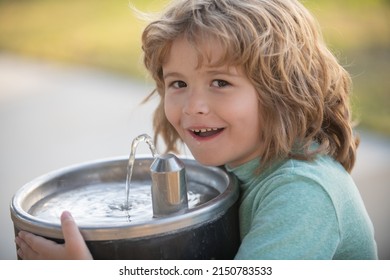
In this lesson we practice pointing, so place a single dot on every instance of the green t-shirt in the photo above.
(302, 210)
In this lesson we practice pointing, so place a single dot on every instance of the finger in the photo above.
(21, 254)
(35, 242)
(20, 243)
(74, 241)
(24, 251)
(70, 230)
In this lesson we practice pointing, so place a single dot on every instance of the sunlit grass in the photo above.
(353, 24)
(93, 32)
(371, 90)
(358, 31)
(106, 34)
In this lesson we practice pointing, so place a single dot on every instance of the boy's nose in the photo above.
(196, 104)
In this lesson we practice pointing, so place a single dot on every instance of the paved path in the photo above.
(52, 116)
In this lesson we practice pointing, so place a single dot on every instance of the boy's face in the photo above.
(214, 109)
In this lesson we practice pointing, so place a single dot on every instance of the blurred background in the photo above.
(72, 80)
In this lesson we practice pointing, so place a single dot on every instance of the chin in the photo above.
(206, 160)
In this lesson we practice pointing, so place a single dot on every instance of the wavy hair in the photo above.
(303, 91)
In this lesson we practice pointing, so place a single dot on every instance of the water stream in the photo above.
(141, 138)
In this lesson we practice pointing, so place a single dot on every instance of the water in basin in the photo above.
(103, 203)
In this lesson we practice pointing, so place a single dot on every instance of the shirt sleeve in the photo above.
(294, 219)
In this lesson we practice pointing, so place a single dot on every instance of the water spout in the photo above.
(169, 186)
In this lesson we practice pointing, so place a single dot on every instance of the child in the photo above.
(250, 85)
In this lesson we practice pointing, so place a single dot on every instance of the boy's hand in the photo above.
(32, 247)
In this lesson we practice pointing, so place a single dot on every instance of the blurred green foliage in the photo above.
(106, 34)
(93, 32)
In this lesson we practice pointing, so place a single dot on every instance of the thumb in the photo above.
(74, 241)
(69, 228)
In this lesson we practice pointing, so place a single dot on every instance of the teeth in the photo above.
(203, 130)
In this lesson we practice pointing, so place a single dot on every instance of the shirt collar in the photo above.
(245, 172)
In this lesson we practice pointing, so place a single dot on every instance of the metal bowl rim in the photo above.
(206, 212)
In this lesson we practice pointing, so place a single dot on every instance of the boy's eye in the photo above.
(220, 83)
(178, 84)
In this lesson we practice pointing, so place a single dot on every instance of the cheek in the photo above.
(245, 110)
(248, 115)
(171, 112)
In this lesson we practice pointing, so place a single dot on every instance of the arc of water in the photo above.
(141, 138)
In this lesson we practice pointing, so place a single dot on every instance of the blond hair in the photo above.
(303, 90)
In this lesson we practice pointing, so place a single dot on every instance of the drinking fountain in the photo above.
(141, 207)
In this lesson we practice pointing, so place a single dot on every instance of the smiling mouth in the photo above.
(206, 132)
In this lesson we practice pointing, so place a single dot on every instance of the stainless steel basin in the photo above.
(207, 230)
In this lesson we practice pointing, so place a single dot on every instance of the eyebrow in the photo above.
(210, 72)
(173, 74)
(223, 72)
